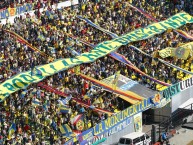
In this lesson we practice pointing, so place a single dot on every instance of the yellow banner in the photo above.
(165, 52)
(24, 79)
(181, 52)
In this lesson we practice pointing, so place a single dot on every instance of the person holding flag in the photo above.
(11, 130)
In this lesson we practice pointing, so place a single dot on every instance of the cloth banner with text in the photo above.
(181, 52)
(24, 79)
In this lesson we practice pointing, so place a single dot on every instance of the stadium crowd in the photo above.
(37, 3)
(50, 32)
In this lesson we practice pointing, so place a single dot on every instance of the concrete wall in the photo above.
(171, 107)
(160, 114)
(180, 98)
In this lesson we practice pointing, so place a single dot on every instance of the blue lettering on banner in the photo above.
(4, 14)
(18, 10)
(113, 124)
(114, 129)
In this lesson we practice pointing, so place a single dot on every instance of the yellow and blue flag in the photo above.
(23, 93)
(64, 109)
(41, 37)
(65, 101)
(45, 106)
(77, 70)
(66, 130)
(49, 14)
(116, 79)
(12, 129)
(36, 102)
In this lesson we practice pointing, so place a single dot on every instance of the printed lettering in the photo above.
(125, 113)
(27, 78)
(187, 83)
(9, 86)
(18, 83)
(179, 19)
(172, 24)
(90, 56)
(65, 63)
(182, 85)
(76, 60)
(173, 90)
(187, 17)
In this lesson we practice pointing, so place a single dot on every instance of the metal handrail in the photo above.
(169, 122)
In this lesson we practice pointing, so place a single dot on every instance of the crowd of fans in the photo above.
(49, 32)
(14, 3)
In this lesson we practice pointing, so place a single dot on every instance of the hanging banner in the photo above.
(24, 79)
(86, 135)
(121, 116)
(114, 123)
(165, 52)
(177, 88)
(181, 52)
(16, 11)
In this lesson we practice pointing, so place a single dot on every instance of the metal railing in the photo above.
(170, 123)
(176, 119)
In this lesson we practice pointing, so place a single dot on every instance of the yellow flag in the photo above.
(77, 70)
(165, 52)
(116, 80)
(183, 51)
